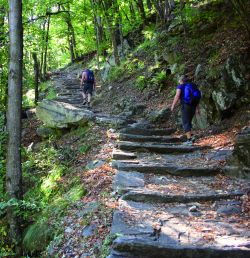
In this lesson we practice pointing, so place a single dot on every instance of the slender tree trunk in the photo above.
(46, 49)
(149, 5)
(96, 33)
(3, 75)
(109, 20)
(36, 73)
(71, 35)
(141, 9)
(13, 167)
(42, 51)
(2, 34)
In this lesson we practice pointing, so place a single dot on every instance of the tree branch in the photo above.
(46, 15)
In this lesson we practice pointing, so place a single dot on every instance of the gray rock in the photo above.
(62, 115)
(229, 210)
(116, 122)
(89, 230)
(44, 132)
(90, 207)
(125, 180)
(120, 226)
(68, 230)
(94, 164)
(158, 116)
(239, 163)
(193, 209)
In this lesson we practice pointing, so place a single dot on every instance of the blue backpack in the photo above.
(192, 94)
(90, 75)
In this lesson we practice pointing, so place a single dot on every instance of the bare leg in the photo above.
(89, 98)
(84, 97)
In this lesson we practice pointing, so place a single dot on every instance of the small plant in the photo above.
(84, 149)
(51, 94)
(141, 82)
(159, 79)
(106, 245)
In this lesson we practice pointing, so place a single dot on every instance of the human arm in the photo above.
(198, 111)
(176, 98)
(84, 77)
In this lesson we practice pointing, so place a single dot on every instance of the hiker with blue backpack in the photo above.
(189, 96)
(88, 86)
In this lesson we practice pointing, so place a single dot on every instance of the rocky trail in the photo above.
(173, 200)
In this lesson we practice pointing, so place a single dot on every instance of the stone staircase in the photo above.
(67, 88)
(173, 200)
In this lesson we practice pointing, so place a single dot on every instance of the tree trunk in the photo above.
(46, 49)
(36, 73)
(141, 9)
(13, 166)
(71, 35)
(2, 34)
(149, 5)
(97, 37)
(112, 29)
(132, 11)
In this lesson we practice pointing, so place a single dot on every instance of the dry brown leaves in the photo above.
(96, 180)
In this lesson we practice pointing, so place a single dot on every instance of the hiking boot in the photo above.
(88, 104)
(84, 102)
(189, 142)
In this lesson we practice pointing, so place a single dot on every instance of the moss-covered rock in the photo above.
(62, 115)
(239, 163)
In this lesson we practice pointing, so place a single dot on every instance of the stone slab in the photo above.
(123, 155)
(124, 180)
(156, 197)
(157, 148)
(146, 138)
(149, 132)
(167, 169)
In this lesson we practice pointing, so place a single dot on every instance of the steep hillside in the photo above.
(211, 47)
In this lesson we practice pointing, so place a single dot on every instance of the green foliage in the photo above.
(38, 236)
(141, 82)
(159, 79)
(3, 138)
(51, 94)
(127, 68)
(84, 148)
(107, 244)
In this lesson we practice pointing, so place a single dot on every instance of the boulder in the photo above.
(233, 87)
(62, 115)
(239, 163)
(122, 51)
(157, 116)
(44, 132)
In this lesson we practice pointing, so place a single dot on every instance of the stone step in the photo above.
(147, 138)
(156, 197)
(165, 169)
(176, 230)
(138, 247)
(69, 101)
(147, 132)
(157, 147)
(140, 187)
(122, 155)
(113, 121)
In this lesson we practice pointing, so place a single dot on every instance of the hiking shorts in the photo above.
(88, 88)
(187, 112)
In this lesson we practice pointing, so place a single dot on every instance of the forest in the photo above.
(59, 169)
